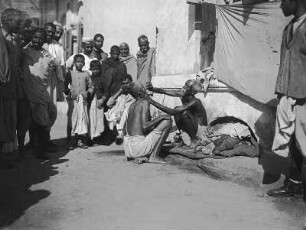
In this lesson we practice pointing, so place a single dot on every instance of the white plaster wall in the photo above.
(176, 53)
(120, 21)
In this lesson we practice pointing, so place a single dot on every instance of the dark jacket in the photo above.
(291, 80)
(112, 74)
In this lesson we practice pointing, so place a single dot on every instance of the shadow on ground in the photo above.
(16, 194)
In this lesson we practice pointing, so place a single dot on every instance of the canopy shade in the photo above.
(247, 51)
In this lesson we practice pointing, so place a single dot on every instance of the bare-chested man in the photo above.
(143, 136)
(188, 117)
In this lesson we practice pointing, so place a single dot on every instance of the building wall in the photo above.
(120, 21)
(168, 30)
(178, 48)
(41, 10)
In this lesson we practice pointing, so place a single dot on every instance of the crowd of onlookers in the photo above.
(35, 77)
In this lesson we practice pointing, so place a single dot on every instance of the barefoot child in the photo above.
(96, 110)
(78, 87)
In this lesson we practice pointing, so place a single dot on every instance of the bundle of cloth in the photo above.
(227, 137)
(204, 77)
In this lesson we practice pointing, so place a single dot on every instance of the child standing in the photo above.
(96, 109)
(78, 86)
(87, 47)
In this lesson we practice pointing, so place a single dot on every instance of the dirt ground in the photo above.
(98, 189)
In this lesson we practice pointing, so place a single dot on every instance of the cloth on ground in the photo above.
(232, 129)
(226, 139)
(141, 146)
(241, 149)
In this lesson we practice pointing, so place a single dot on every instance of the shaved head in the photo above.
(124, 49)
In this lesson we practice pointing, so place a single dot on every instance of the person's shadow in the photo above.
(273, 165)
(16, 194)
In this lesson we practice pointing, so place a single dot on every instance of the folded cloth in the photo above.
(232, 129)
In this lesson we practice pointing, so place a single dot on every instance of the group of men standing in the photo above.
(30, 78)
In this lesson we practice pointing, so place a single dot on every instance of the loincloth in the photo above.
(141, 146)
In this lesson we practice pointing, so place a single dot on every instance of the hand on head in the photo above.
(149, 86)
(165, 117)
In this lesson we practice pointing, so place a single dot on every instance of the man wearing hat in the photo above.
(87, 46)
(290, 126)
(190, 117)
(58, 32)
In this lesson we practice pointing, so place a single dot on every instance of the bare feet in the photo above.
(194, 144)
(141, 160)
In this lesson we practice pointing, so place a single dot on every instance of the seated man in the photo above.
(191, 115)
(144, 137)
(118, 108)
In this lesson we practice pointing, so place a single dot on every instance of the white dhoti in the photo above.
(96, 119)
(141, 146)
(78, 115)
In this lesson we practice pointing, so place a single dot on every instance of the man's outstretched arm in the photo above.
(174, 111)
(169, 92)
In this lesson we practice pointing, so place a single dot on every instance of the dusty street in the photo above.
(98, 189)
